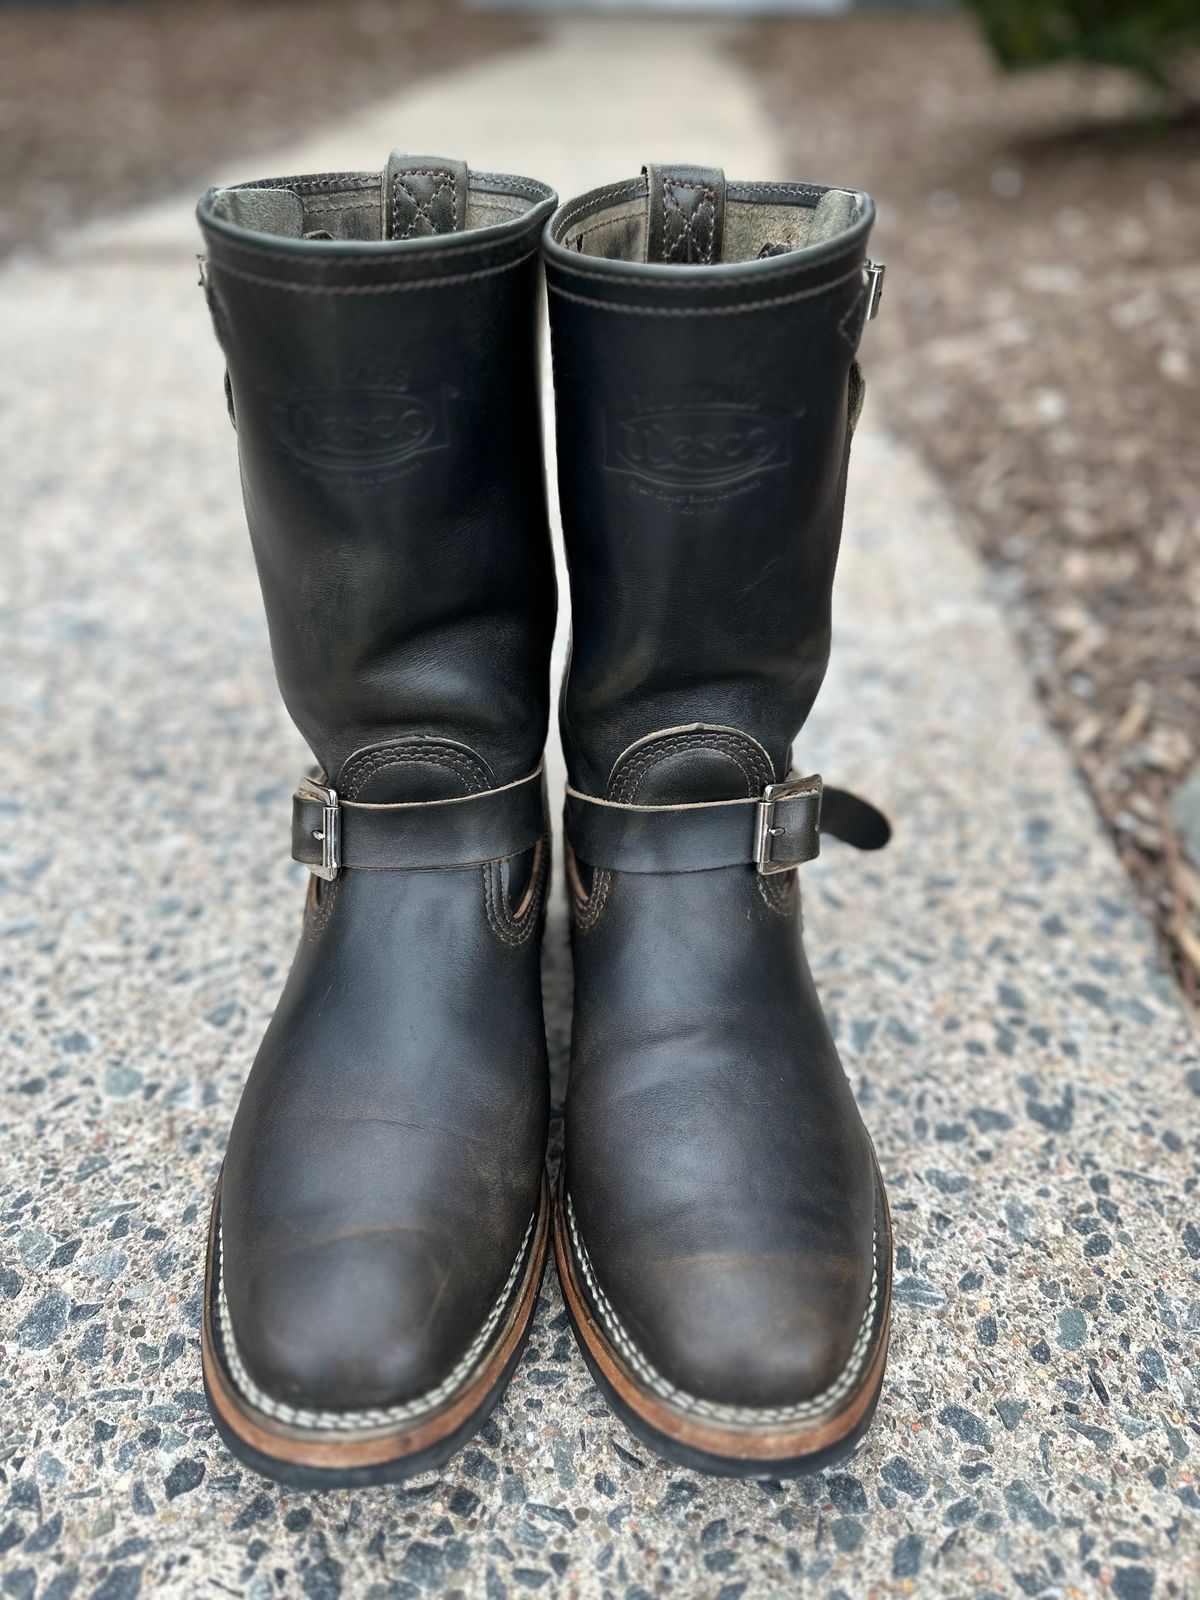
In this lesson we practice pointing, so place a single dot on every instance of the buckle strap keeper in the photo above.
(331, 835)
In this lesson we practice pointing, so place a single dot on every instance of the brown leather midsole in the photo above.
(370, 1447)
(733, 1443)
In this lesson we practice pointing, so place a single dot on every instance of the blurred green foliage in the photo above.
(1150, 37)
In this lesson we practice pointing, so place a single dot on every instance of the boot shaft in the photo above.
(703, 338)
(381, 334)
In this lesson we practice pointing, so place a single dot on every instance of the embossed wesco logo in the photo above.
(368, 426)
(694, 446)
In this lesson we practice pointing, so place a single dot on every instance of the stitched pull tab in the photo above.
(423, 195)
(686, 219)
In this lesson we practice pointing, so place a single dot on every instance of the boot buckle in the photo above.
(788, 826)
(329, 834)
(874, 271)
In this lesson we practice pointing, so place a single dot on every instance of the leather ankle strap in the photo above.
(330, 835)
(773, 833)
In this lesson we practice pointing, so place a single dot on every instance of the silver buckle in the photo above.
(765, 829)
(330, 832)
(875, 271)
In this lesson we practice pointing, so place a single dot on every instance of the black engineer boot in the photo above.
(379, 1229)
(722, 1232)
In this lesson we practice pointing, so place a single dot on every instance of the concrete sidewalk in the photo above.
(1024, 1066)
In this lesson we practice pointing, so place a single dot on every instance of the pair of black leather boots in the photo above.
(383, 1218)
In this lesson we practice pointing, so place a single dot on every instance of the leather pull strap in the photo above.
(330, 835)
(854, 820)
(687, 214)
(423, 195)
(774, 833)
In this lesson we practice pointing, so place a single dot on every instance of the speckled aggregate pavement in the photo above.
(1025, 1068)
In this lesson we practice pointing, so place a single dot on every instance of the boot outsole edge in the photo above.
(726, 1451)
(305, 1459)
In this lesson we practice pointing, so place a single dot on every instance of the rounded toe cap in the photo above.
(752, 1332)
(361, 1323)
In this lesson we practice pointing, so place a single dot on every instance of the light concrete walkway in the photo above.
(1025, 1069)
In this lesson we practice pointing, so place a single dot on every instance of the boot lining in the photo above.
(619, 231)
(347, 206)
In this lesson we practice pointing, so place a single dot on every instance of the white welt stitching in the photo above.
(371, 1417)
(804, 1411)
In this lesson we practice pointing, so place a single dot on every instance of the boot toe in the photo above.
(367, 1322)
(759, 1332)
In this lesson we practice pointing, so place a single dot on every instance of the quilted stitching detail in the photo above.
(690, 221)
(417, 197)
